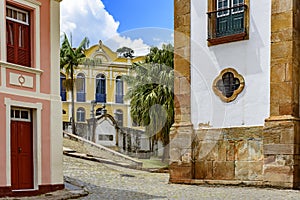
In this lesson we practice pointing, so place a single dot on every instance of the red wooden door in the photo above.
(21, 155)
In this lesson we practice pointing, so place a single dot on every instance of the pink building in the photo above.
(30, 106)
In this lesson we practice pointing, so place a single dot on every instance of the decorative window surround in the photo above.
(228, 21)
(37, 132)
(6, 65)
(34, 7)
(228, 85)
(21, 68)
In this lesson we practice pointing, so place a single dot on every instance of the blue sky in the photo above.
(134, 14)
(138, 24)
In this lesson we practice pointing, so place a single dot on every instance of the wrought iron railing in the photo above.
(100, 98)
(63, 95)
(80, 96)
(119, 98)
(227, 22)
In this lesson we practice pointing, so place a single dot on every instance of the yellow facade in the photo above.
(101, 62)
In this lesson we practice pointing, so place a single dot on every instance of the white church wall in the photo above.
(250, 58)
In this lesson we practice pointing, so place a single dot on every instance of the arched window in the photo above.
(80, 115)
(119, 117)
(63, 93)
(119, 90)
(80, 86)
(100, 88)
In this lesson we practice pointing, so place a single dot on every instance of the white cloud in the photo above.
(88, 18)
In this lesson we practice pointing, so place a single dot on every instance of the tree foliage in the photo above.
(151, 93)
(70, 58)
(161, 56)
(126, 52)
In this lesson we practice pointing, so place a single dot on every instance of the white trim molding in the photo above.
(36, 121)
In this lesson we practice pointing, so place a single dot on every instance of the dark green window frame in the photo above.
(227, 21)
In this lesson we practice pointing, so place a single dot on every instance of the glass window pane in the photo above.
(22, 16)
(8, 12)
(14, 14)
(237, 3)
(24, 114)
(80, 115)
(222, 4)
(17, 114)
(12, 113)
(102, 86)
(80, 83)
(119, 86)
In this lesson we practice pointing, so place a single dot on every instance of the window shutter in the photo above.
(10, 40)
(23, 45)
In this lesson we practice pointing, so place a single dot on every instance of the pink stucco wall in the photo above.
(45, 136)
(45, 88)
(45, 46)
(2, 142)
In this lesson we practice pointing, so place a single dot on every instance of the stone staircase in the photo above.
(79, 147)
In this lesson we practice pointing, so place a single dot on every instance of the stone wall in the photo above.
(257, 156)
(233, 154)
(282, 152)
(182, 130)
(281, 129)
(268, 155)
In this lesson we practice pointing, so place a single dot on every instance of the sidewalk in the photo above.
(73, 190)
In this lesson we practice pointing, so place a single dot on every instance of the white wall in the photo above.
(56, 106)
(105, 127)
(251, 59)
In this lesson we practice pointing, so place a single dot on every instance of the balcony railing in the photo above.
(100, 98)
(63, 95)
(228, 22)
(119, 98)
(80, 97)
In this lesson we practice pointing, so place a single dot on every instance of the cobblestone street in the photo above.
(105, 181)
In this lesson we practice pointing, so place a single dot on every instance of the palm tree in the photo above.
(70, 58)
(151, 94)
(161, 56)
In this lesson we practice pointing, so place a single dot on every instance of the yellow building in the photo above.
(98, 79)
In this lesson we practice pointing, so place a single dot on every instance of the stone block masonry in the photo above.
(266, 155)
(229, 154)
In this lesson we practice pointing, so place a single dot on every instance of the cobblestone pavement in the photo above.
(105, 181)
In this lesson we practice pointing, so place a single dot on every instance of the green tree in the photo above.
(70, 58)
(151, 94)
(126, 52)
(161, 56)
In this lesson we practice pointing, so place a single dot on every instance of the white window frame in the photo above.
(80, 111)
(20, 117)
(18, 11)
(37, 135)
(239, 11)
(34, 7)
(82, 77)
(218, 8)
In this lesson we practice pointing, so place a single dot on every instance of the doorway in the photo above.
(21, 149)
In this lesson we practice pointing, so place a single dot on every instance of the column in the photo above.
(182, 130)
(281, 137)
